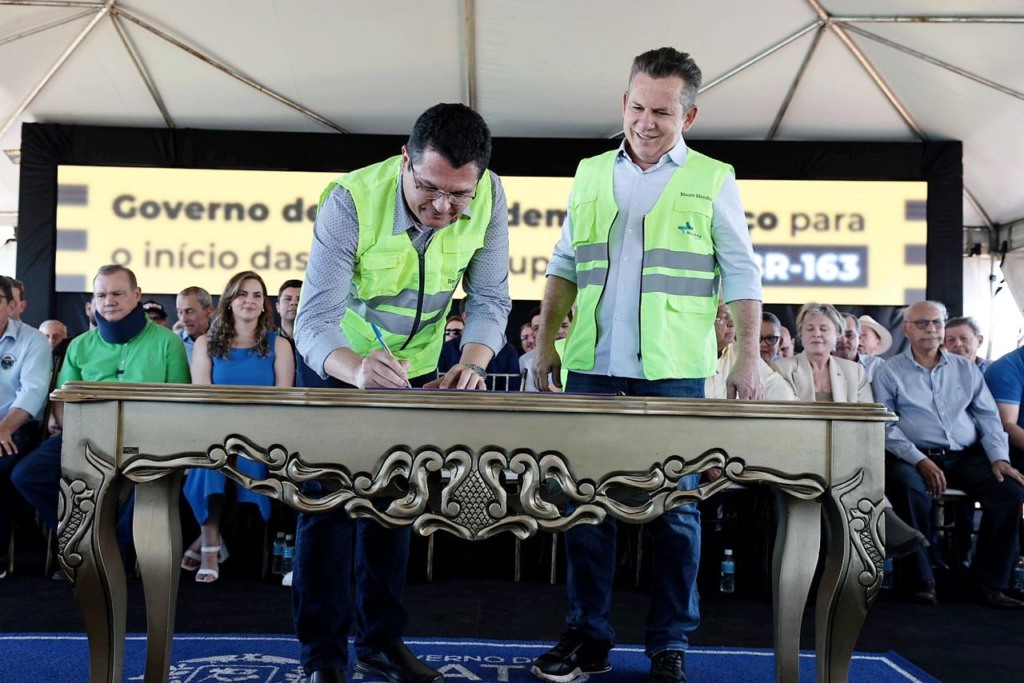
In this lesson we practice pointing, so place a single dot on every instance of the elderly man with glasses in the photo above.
(949, 434)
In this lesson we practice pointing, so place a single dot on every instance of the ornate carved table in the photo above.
(472, 464)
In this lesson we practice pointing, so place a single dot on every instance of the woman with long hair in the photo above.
(241, 348)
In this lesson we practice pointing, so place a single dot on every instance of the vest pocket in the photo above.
(380, 275)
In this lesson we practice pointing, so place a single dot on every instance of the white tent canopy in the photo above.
(866, 70)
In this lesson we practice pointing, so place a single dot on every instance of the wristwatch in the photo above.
(475, 368)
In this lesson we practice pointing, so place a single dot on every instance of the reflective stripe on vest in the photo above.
(388, 288)
(679, 275)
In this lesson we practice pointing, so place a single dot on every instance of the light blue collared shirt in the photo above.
(189, 343)
(25, 364)
(636, 192)
(949, 406)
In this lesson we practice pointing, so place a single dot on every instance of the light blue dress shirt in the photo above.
(25, 364)
(636, 192)
(949, 407)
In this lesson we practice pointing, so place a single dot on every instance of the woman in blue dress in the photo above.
(241, 348)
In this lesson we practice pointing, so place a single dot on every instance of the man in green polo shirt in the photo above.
(125, 347)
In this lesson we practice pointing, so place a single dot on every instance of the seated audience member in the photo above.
(19, 302)
(1005, 379)
(194, 306)
(55, 331)
(24, 383)
(288, 306)
(453, 328)
(848, 346)
(529, 377)
(241, 348)
(526, 360)
(125, 347)
(786, 349)
(875, 338)
(949, 434)
(814, 373)
(288, 297)
(156, 312)
(506, 362)
(775, 387)
(527, 338)
(964, 338)
(771, 336)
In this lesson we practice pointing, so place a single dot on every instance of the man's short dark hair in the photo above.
(288, 284)
(965, 320)
(20, 286)
(769, 317)
(666, 62)
(113, 269)
(454, 131)
(7, 287)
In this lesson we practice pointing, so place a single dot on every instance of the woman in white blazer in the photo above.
(814, 373)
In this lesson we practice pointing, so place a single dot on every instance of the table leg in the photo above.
(91, 561)
(158, 544)
(852, 576)
(797, 543)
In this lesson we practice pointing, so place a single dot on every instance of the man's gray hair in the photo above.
(937, 304)
(201, 295)
(666, 62)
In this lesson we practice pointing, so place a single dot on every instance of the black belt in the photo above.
(940, 452)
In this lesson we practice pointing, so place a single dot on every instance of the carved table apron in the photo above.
(472, 464)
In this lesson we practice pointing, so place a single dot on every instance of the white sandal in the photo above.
(222, 555)
(192, 560)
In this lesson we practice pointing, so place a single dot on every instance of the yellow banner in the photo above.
(843, 242)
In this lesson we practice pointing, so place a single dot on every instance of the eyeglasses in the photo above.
(925, 324)
(525, 337)
(454, 198)
(772, 339)
(452, 332)
(724, 321)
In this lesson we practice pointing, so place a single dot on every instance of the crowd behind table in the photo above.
(814, 373)
(369, 318)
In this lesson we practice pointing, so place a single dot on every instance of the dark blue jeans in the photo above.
(328, 547)
(675, 543)
(971, 471)
(25, 439)
(37, 478)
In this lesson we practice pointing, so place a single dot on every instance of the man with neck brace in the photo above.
(125, 347)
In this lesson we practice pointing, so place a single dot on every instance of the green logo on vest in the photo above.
(688, 231)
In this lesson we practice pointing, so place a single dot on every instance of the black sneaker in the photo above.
(575, 656)
(668, 666)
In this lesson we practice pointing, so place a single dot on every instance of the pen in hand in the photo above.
(384, 345)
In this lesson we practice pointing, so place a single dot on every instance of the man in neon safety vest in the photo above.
(391, 243)
(653, 229)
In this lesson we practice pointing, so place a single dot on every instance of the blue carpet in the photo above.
(63, 658)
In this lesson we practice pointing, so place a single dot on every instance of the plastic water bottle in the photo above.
(277, 562)
(1018, 575)
(887, 573)
(728, 582)
(288, 558)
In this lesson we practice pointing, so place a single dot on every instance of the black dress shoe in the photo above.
(328, 675)
(925, 594)
(668, 666)
(999, 599)
(397, 664)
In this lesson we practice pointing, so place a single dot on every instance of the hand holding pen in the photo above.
(383, 369)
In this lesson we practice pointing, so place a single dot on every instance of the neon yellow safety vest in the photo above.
(405, 295)
(679, 276)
